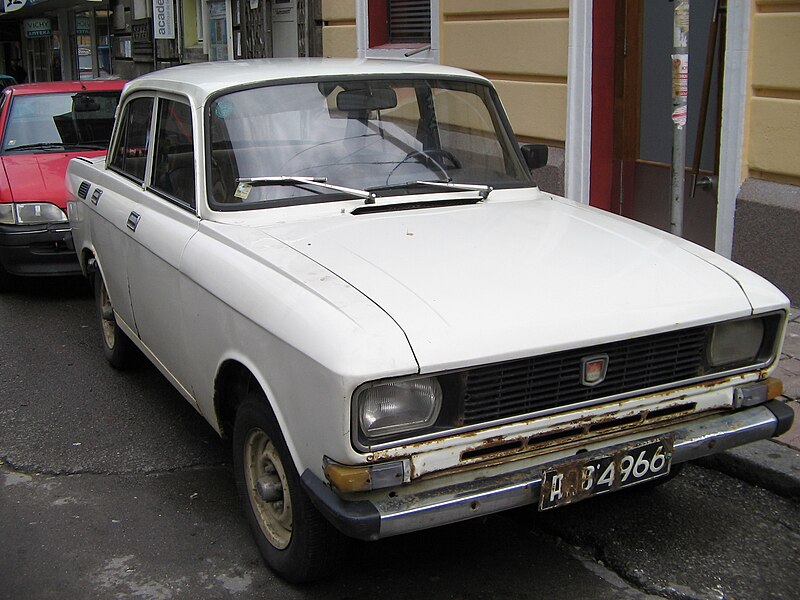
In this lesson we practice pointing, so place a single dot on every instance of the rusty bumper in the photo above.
(461, 496)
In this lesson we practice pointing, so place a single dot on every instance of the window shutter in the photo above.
(410, 21)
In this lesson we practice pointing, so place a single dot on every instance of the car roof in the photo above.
(51, 87)
(198, 81)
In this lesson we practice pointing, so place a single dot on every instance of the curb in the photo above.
(765, 463)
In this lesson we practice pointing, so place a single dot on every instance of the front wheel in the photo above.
(117, 347)
(296, 541)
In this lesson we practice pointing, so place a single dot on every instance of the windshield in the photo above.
(376, 134)
(39, 122)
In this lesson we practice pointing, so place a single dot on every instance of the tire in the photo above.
(117, 346)
(295, 540)
(7, 281)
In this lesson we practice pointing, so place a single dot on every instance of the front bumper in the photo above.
(461, 496)
(38, 250)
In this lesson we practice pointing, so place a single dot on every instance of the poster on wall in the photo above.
(163, 20)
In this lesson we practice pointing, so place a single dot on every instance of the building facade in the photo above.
(71, 39)
(589, 78)
(592, 79)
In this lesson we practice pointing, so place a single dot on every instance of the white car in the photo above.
(346, 267)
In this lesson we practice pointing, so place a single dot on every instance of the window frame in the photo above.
(146, 184)
(118, 140)
(150, 183)
(375, 20)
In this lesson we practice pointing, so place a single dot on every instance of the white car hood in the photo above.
(523, 273)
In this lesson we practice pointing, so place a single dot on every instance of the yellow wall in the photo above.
(190, 37)
(339, 32)
(521, 45)
(773, 131)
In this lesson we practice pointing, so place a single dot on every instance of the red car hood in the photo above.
(40, 177)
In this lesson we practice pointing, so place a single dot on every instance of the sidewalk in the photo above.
(789, 372)
(773, 464)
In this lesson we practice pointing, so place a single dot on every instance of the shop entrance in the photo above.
(642, 124)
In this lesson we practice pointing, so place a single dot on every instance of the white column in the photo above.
(734, 106)
(579, 102)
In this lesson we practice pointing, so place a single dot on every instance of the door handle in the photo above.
(96, 196)
(133, 221)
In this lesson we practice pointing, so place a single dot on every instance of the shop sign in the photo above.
(12, 5)
(83, 26)
(35, 28)
(163, 20)
(142, 39)
(141, 32)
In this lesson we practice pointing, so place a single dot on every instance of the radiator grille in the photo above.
(522, 386)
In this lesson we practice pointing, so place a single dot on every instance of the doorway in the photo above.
(641, 127)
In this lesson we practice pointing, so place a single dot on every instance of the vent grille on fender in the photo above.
(83, 190)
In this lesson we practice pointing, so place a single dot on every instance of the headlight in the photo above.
(7, 214)
(33, 213)
(736, 342)
(399, 406)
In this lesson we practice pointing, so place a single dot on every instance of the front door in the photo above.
(643, 127)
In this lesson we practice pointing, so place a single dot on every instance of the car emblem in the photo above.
(593, 369)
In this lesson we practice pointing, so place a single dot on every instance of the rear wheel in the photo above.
(117, 347)
(296, 541)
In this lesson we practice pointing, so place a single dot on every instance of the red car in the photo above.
(42, 127)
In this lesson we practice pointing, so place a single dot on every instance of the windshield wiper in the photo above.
(484, 190)
(368, 196)
(88, 145)
(38, 146)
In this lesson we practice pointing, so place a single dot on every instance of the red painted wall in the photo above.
(601, 182)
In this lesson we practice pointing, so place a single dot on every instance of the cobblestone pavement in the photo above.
(789, 371)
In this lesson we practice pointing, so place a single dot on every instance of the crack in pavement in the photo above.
(11, 467)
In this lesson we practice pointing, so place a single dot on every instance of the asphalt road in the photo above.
(111, 486)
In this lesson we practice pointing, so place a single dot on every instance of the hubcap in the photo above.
(267, 488)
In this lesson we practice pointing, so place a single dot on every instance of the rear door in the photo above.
(113, 204)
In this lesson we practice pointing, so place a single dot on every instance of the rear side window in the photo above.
(173, 166)
(130, 155)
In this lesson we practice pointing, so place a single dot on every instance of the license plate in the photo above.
(585, 477)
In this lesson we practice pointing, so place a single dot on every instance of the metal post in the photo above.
(680, 96)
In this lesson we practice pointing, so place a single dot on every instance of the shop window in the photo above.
(402, 22)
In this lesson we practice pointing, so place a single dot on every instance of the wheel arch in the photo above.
(234, 381)
(88, 262)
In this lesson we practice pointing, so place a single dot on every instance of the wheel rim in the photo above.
(263, 469)
(107, 317)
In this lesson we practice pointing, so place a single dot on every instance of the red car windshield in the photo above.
(39, 122)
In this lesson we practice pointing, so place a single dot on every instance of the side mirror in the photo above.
(535, 155)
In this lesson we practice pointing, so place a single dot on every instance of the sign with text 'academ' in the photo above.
(163, 20)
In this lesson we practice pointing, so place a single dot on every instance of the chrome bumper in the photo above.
(453, 498)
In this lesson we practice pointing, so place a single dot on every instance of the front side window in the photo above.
(173, 166)
(378, 134)
(129, 157)
(60, 121)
